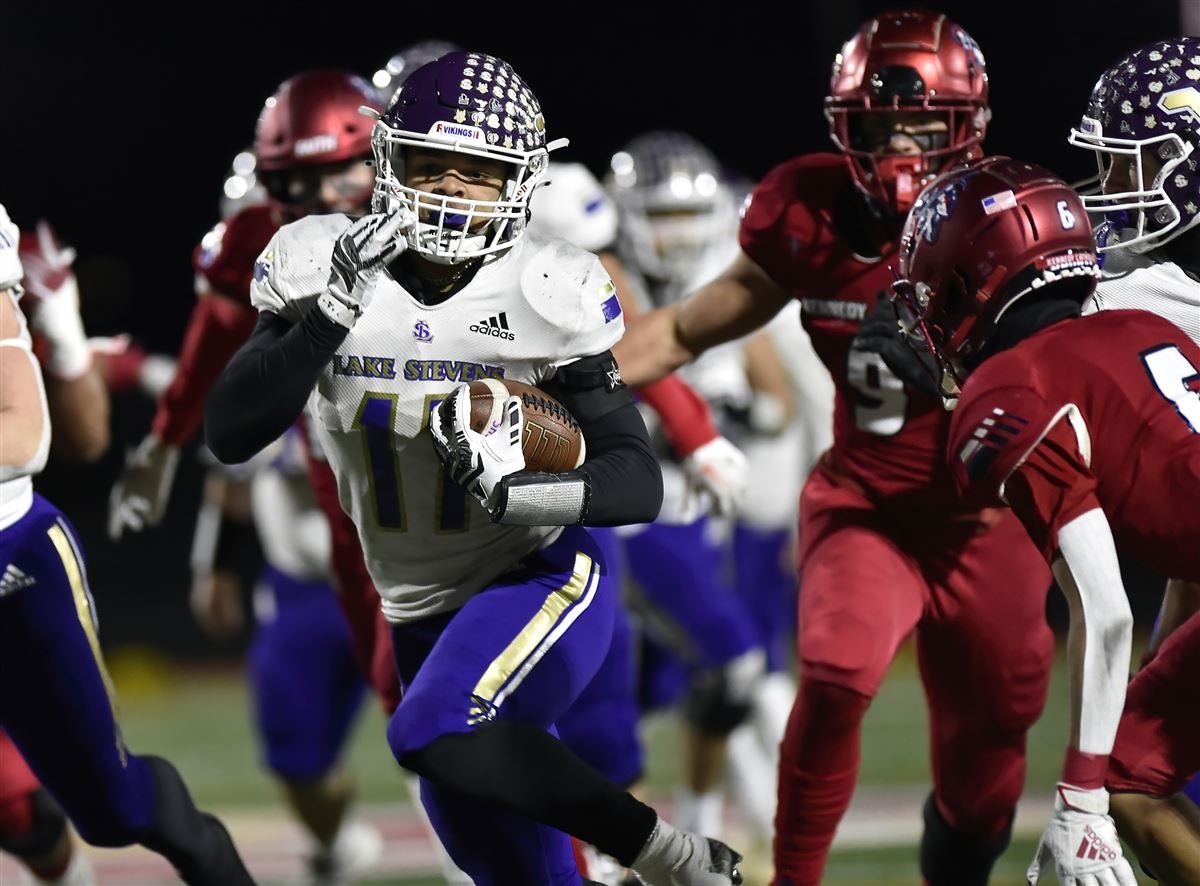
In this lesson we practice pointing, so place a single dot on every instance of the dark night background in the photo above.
(122, 125)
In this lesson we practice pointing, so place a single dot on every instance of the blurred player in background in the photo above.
(500, 614)
(1053, 414)
(602, 724)
(309, 155)
(678, 229)
(886, 549)
(48, 636)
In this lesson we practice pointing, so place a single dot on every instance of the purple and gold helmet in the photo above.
(469, 103)
(1146, 108)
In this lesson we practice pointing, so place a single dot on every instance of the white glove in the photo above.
(718, 470)
(11, 271)
(139, 498)
(53, 295)
(478, 461)
(1082, 842)
(358, 256)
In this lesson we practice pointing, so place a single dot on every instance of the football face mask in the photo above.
(1143, 126)
(475, 106)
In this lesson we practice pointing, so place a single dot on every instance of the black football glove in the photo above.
(880, 334)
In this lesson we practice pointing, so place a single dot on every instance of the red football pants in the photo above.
(1158, 742)
(976, 599)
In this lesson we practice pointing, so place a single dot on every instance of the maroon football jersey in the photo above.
(1101, 411)
(888, 439)
(222, 319)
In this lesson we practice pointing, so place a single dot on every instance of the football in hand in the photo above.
(551, 438)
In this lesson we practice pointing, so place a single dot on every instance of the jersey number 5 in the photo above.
(1171, 373)
(376, 419)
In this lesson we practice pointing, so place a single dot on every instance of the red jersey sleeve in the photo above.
(764, 234)
(216, 329)
(687, 420)
(221, 321)
(224, 259)
(1011, 446)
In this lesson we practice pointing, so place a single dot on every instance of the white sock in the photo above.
(753, 779)
(699, 813)
(771, 707)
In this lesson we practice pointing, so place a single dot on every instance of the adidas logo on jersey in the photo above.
(495, 326)
(14, 580)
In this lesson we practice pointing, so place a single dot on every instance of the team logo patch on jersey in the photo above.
(262, 267)
(354, 366)
(422, 332)
(496, 326)
(610, 305)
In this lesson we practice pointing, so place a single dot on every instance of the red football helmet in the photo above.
(978, 238)
(313, 118)
(912, 61)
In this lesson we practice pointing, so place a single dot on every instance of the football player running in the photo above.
(678, 229)
(886, 549)
(500, 604)
(1089, 428)
(48, 636)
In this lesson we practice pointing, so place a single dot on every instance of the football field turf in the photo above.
(201, 721)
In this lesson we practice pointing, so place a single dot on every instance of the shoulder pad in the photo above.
(992, 432)
(293, 269)
(572, 292)
(224, 258)
(785, 210)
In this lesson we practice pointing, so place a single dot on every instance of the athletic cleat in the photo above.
(356, 851)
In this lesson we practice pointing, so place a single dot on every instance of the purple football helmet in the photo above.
(1146, 107)
(470, 103)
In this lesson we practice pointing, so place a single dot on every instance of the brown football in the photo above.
(552, 440)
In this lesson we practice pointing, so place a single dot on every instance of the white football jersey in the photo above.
(1149, 282)
(16, 483)
(544, 303)
(574, 206)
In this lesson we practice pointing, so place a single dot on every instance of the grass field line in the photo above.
(274, 847)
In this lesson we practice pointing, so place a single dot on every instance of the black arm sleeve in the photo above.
(263, 389)
(623, 475)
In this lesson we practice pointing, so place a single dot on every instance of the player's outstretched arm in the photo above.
(738, 302)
